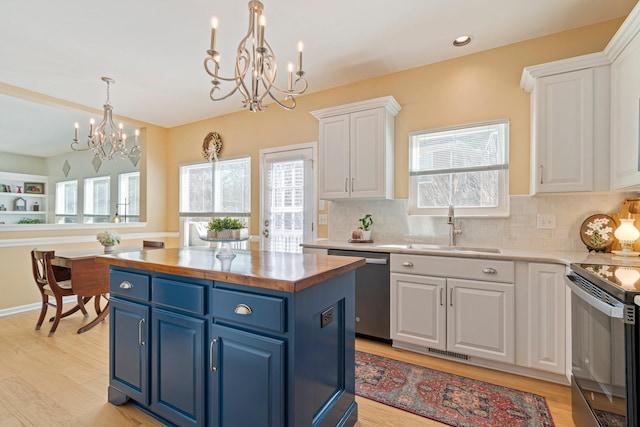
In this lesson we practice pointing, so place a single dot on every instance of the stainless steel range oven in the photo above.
(604, 342)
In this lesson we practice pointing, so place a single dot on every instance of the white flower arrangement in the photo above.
(108, 237)
(598, 234)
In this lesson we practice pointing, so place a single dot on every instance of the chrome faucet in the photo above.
(453, 231)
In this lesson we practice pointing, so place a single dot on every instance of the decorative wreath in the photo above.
(211, 146)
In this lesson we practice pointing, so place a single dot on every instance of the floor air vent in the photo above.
(448, 353)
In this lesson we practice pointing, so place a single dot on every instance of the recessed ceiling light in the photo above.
(462, 41)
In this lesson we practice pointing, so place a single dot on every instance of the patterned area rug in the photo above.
(447, 398)
(608, 419)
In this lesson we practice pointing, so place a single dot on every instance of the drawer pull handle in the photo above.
(140, 341)
(126, 285)
(242, 309)
(211, 367)
(490, 270)
(407, 264)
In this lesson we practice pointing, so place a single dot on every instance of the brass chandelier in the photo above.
(106, 140)
(255, 67)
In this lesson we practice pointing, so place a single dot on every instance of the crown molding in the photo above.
(616, 45)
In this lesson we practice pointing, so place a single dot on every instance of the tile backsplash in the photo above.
(518, 231)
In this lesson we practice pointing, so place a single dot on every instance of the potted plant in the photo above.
(108, 239)
(365, 223)
(224, 228)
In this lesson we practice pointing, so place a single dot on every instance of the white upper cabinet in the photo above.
(356, 149)
(585, 114)
(569, 126)
(625, 114)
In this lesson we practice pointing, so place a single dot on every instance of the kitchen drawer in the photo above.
(258, 311)
(462, 268)
(129, 285)
(188, 297)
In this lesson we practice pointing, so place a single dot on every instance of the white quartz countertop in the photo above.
(530, 255)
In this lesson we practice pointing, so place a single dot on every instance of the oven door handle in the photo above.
(382, 261)
(601, 306)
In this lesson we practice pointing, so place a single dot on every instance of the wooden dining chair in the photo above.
(45, 278)
(150, 244)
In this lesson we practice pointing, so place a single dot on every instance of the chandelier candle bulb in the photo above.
(77, 125)
(300, 46)
(214, 25)
(263, 23)
(290, 68)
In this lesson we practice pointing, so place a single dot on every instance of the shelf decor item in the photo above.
(596, 232)
(627, 234)
(224, 228)
(19, 204)
(222, 231)
(108, 239)
(211, 146)
(363, 233)
(33, 188)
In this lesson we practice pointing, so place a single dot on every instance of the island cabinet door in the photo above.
(129, 358)
(178, 365)
(247, 379)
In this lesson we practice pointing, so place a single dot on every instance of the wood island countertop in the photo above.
(272, 270)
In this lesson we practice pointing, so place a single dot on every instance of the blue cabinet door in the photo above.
(247, 379)
(129, 353)
(178, 368)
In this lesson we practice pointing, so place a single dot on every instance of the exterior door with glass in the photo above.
(288, 197)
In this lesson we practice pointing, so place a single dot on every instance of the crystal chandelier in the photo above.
(107, 140)
(255, 67)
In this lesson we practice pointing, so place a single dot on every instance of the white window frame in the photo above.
(89, 214)
(502, 207)
(61, 214)
(126, 208)
(202, 217)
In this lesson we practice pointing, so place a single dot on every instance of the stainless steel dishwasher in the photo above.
(372, 294)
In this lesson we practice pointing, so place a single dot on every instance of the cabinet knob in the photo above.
(489, 270)
(242, 309)
(407, 264)
(126, 285)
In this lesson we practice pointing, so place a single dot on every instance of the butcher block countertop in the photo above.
(271, 270)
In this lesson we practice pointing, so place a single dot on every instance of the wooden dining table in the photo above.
(89, 278)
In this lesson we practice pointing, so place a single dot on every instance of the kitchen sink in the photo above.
(444, 248)
(452, 248)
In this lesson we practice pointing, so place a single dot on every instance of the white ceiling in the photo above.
(155, 49)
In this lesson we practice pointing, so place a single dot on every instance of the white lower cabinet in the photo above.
(546, 312)
(464, 316)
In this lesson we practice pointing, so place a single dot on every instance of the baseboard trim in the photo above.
(29, 307)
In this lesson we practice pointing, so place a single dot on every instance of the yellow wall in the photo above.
(483, 86)
(473, 88)
(17, 287)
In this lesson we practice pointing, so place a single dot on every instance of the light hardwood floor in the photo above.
(62, 381)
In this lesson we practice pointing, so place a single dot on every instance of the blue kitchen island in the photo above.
(265, 341)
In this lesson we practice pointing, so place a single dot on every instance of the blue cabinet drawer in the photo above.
(258, 311)
(129, 285)
(179, 295)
